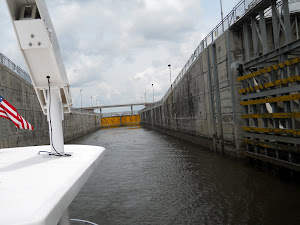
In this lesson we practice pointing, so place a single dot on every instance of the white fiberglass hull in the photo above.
(37, 189)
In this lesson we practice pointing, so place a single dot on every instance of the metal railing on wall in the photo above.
(233, 16)
(110, 114)
(12, 66)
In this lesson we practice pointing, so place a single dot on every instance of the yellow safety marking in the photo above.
(247, 141)
(130, 120)
(273, 145)
(270, 68)
(120, 121)
(110, 121)
(272, 115)
(272, 130)
(270, 100)
(272, 84)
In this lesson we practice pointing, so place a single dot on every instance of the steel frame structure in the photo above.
(270, 34)
(270, 81)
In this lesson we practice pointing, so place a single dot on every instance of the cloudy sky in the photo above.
(114, 50)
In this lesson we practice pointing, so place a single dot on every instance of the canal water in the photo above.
(147, 177)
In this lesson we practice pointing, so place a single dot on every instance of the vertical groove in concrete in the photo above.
(213, 120)
(217, 96)
(233, 99)
(203, 106)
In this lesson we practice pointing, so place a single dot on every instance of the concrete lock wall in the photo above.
(21, 95)
(204, 105)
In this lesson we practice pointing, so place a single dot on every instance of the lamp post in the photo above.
(170, 75)
(153, 92)
(92, 101)
(96, 104)
(222, 15)
(81, 98)
(145, 98)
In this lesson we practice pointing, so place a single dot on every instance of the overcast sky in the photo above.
(114, 50)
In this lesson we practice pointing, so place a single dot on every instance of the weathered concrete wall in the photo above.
(22, 96)
(204, 104)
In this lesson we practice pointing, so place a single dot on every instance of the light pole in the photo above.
(96, 104)
(92, 101)
(81, 98)
(153, 92)
(145, 98)
(170, 75)
(222, 15)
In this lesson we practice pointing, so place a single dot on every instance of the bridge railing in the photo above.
(84, 111)
(126, 113)
(12, 66)
(110, 114)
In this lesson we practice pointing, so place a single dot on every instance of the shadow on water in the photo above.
(147, 177)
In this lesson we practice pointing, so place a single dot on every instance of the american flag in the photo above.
(9, 112)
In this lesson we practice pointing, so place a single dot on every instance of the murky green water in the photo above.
(150, 178)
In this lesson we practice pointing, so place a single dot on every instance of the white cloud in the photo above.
(115, 50)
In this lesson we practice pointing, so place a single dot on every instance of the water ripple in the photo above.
(150, 178)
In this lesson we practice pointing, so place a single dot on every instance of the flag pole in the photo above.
(55, 118)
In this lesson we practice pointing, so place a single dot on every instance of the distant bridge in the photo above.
(114, 106)
(116, 119)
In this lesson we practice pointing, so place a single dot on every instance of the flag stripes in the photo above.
(9, 112)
